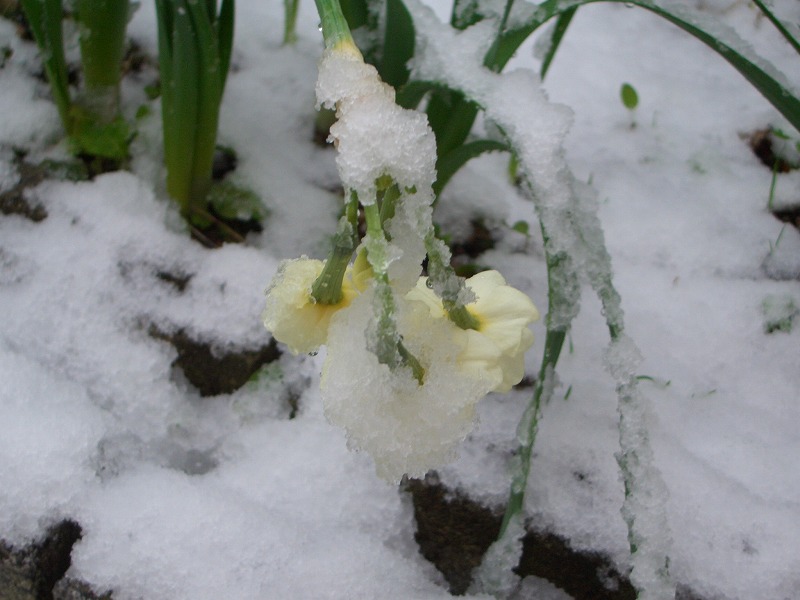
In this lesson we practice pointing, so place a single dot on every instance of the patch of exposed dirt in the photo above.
(454, 532)
(36, 572)
(211, 371)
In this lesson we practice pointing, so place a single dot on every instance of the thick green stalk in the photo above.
(209, 97)
(327, 288)
(194, 56)
(335, 30)
(181, 109)
(102, 40)
(459, 315)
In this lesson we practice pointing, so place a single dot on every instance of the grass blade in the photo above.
(778, 25)
(44, 17)
(562, 22)
(777, 93)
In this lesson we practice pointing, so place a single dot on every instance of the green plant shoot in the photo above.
(629, 97)
(194, 42)
(91, 118)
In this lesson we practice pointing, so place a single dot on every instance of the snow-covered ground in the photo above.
(188, 497)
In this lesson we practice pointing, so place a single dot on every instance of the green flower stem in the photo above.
(447, 284)
(335, 30)
(557, 268)
(459, 315)
(387, 201)
(372, 216)
(290, 21)
(529, 425)
(327, 288)
(412, 363)
(389, 347)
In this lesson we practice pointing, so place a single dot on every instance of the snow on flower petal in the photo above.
(407, 428)
(292, 315)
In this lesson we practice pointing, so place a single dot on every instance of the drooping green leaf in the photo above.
(778, 25)
(778, 94)
(560, 28)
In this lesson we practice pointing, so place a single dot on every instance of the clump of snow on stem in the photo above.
(575, 244)
(375, 137)
(406, 427)
(644, 508)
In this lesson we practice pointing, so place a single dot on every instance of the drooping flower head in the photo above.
(498, 343)
(292, 314)
(407, 427)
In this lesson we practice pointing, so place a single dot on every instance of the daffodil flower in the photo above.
(498, 342)
(292, 314)
(407, 427)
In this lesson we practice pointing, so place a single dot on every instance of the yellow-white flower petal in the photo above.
(292, 315)
(497, 347)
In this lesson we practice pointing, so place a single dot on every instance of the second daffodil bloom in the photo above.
(498, 344)
(292, 314)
